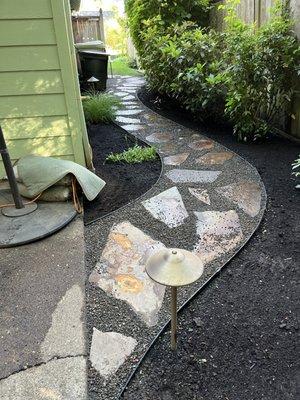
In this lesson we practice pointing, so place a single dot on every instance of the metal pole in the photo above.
(10, 172)
(174, 317)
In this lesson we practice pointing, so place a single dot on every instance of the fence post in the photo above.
(101, 26)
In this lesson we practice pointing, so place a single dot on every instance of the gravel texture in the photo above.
(106, 313)
(238, 337)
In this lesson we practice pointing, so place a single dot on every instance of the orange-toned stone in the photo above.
(177, 159)
(215, 158)
(122, 240)
(129, 283)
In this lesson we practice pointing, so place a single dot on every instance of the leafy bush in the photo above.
(134, 155)
(261, 69)
(178, 11)
(246, 74)
(100, 107)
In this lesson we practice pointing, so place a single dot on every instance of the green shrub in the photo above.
(261, 71)
(100, 107)
(134, 155)
(170, 12)
(246, 74)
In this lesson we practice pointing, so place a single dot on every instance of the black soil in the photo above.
(239, 338)
(124, 182)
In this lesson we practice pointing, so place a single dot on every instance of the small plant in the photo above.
(133, 155)
(100, 107)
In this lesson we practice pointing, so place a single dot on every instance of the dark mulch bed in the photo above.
(124, 182)
(238, 339)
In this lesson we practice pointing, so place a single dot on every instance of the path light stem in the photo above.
(173, 317)
(10, 172)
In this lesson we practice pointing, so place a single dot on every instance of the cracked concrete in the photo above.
(58, 379)
(42, 316)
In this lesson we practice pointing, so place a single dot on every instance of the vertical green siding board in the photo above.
(61, 20)
(85, 139)
(26, 32)
(22, 9)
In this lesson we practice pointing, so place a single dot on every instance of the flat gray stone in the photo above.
(124, 120)
(200, 194)
(63, 379)
(121, 273)
(109, 350)
(167, 207)
(133, 127)
(192, 176)
(128, 97)
(128, 112)
(219, 232)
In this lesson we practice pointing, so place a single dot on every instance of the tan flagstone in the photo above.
(219, 232)
(121, 273)
(202, 144)
(215, 158)
(177, 159)
(245, 194)
(159, 137)
(200, 194)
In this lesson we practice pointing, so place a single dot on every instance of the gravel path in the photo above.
(208, 200)
(238, 339)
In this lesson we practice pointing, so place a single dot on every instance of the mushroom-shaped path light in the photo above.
(174, 268)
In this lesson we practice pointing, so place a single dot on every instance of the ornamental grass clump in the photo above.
(100, 107)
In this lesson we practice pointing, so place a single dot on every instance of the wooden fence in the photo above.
(88, 26)
(258, 11)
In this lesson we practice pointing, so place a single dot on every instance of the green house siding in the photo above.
(40, 106)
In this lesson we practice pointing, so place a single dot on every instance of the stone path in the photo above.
(207, 200)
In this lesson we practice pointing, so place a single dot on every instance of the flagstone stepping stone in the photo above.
(167, 207)
(120, 94)
(202, 144)
(177, 159)
(129, 112)
(194, 176)
(121, 273)
(124, 120)
(129, 97)
(133, 128)
(219, 232)
(200, 194)
(109, 350)
(159, 137)
(168, 148)
(245, 194)
(215, 158)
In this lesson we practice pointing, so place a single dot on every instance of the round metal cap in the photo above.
(174, 267)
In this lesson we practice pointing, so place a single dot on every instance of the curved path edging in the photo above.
(215, 215)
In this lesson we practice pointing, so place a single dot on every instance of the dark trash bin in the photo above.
(93, 63)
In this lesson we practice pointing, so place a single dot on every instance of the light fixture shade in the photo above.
(174, 267)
